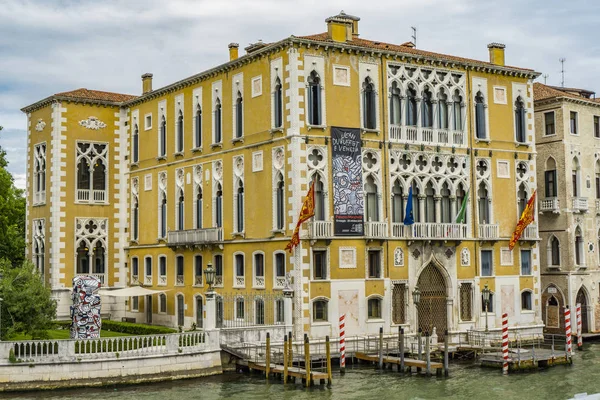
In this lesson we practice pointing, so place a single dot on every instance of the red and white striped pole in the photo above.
(568, 330)
(343, 343)
(505, 343)
(579, 338)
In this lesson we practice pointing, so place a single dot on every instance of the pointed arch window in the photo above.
(417, 216)
(575, 171)
(39, 182)
(520, 122)
(397, 203)
(279, 201)
(219, 206)
(198, 127)
(395, 105)
(135, 219)
(554, 251)
(369, 105)
(443, 110)
(83, 175)
(218, 127)
(198, 221)
(135, 144)
(457, 111)
(278, 104)
(239, 116)
(521, 199)
(163, 216)
(180, 132)
(180, 211)
(579, 257)
(427, 110)
(239, 207)
(445, 204)
(319, 198)
(480, 129)
(460, 198)
(429, 203)
(411, 107)
(550, 178)
(162, 140)
(483, 202)
(314, 99)
(372, 206)
(99, 180)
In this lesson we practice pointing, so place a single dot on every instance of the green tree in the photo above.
(27, 305)
(12, 216)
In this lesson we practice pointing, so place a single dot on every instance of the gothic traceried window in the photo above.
(91, 244)
(92, 159)
(395, 105)
(427, 109)
(39, 174)
(411, 107)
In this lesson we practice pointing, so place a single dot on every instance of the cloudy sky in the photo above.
(49, 46)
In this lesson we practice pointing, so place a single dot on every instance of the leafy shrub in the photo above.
(135, 329)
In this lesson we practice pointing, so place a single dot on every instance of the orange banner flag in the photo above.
(306, 212)
(527, 217)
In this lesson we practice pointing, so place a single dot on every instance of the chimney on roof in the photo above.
(496, 53)
(342, 27)
(146, 83)
(233, 51)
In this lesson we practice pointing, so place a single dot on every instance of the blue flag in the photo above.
(408, 215)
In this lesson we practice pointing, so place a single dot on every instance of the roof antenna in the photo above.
(545, 76)
(414, 35)
(562, 71)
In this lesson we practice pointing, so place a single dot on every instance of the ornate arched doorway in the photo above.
(582, 299)
(553, 310)
(432, 310)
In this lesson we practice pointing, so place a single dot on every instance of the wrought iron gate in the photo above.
(432, 310)
(399, 303)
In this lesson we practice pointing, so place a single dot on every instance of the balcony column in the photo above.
(421, 200)
(438, 208)
(288, 301)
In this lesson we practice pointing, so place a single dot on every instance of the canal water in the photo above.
(466, 381)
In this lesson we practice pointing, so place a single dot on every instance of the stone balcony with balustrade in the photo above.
(320, 229)
(580, 204)
(194, 237)
(430, 231)
(530, 232)
(426, 135)
(489, 232)
(550, 204)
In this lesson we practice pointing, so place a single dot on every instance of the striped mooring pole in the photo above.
(579, 332)
(505, 343)
(343, 343)
(568, 331)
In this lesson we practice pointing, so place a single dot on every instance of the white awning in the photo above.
(130, 292)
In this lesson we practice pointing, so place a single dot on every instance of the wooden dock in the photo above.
(409, 363)
(294, 372)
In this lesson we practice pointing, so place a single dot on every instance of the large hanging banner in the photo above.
(348, 199)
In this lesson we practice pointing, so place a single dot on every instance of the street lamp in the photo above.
(417, 299)
(486, 301)
(209, 275)
(416, 296)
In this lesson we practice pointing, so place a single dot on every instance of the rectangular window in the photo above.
(218, 269)
(39, 174)
(374, 264)
(280, 264)
(319, 265)
(259, 265)
(163, 303)
(148, 271)
(162, 266)
(550, 178)
(525, 262)
(148, 121)
(180, 268)
(320, 311)
(573, 122)
(596, 126)
(486, 263)
(549, 123)
(135, 303)
(134, 270)
(279, 311)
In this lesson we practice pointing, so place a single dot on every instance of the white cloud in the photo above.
(49, 46)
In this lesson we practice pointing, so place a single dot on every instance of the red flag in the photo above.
(306, 212)
(527, 217)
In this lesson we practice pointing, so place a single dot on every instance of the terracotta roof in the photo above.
(404, 48)
(543, 92)
(96, 95)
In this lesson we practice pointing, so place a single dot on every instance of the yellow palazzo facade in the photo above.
(147, 190)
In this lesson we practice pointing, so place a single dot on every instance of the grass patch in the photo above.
(65, 334)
